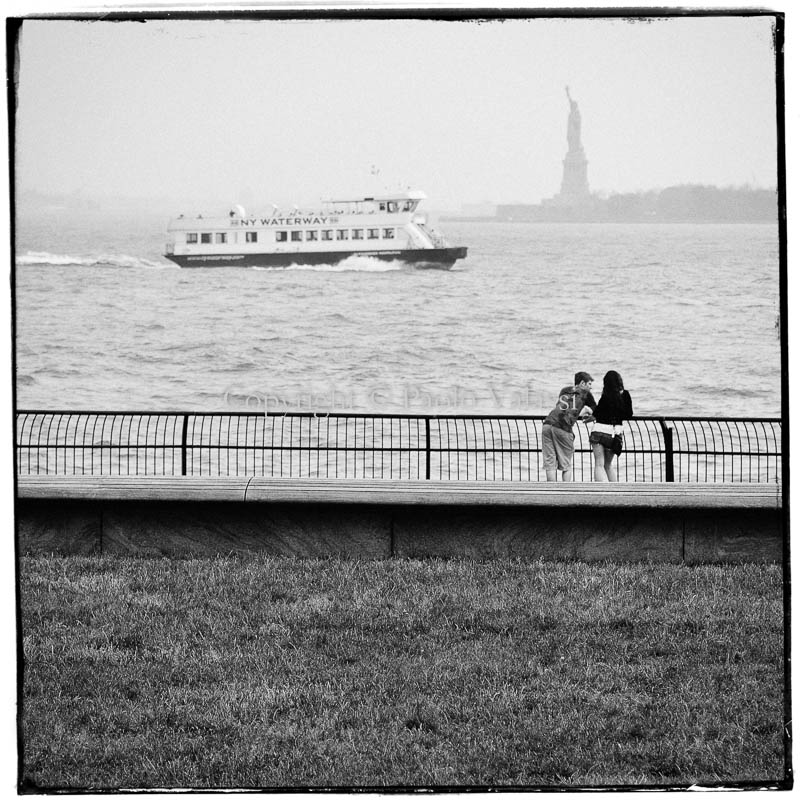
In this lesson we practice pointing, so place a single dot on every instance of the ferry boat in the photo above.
(388, 228)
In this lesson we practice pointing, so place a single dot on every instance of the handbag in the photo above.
(612, 443)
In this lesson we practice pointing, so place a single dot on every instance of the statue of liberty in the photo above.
(573, 124)
(574, 183)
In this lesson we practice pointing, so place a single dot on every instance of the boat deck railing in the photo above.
(436, 238)
(382, 446)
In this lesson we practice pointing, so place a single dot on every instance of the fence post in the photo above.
(669, 465)
(427, 448)
(184, 433)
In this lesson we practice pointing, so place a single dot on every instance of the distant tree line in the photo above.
(684, 203)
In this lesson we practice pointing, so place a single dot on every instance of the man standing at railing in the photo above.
(558, 440)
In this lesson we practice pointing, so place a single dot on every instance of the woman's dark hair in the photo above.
(612, 382)
(611, 403)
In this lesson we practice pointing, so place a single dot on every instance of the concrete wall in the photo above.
(150, 527)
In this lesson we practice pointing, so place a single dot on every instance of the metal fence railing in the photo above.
(403, 446)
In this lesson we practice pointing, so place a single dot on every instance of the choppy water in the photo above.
(687, 313)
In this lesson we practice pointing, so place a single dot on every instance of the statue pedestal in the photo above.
(575, 182)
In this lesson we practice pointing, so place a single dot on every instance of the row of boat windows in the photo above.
(340, 234)
(392, 206)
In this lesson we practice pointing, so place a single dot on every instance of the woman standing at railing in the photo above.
(606, 438)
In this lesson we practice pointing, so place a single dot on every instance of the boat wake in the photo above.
(352, 264)
(32, 258)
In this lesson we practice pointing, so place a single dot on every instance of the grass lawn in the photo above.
(264, 672)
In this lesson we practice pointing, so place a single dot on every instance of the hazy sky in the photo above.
(267, 111)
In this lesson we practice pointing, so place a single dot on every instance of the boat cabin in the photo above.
(400, 202)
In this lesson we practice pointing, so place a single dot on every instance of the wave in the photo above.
(241, 366)
(59, 372)
(351, 264)
(114, 261)
(742, 392)
(197, 352)
(686, 301)
(149, 358)
(751, 393)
